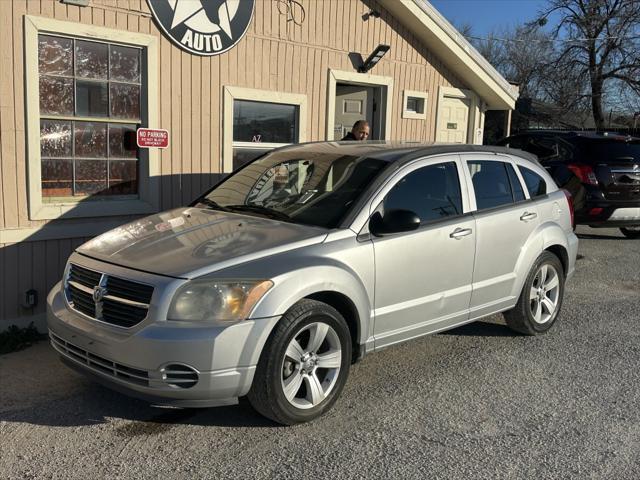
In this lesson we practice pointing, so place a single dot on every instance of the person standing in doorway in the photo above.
(359, 132)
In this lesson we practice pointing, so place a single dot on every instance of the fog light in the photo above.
(596, 211)
(181, 376)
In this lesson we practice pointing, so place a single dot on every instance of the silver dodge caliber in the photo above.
(275, 281)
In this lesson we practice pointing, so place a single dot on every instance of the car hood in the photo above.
(190, 242)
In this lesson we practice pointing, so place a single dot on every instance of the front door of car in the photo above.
(505, 221)
(423, 277)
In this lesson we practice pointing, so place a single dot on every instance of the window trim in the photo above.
(526, 187)
(408, 114)
(479, 156)
(372, 204)
(239, 93)
(148, 200)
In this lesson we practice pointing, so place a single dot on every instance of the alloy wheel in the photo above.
(311, 365)
(544, 294)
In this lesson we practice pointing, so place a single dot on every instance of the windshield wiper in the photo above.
(266, 211)
(211, 204)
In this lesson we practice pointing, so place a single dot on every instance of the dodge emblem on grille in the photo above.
(99, 293)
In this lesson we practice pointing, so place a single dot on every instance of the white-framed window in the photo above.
(414, 105)
(88, 90)
(256, 121)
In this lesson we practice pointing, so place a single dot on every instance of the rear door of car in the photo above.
(505, 219)
(423, 277)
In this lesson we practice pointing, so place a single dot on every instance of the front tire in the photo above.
(541, 297)
(304, 364)
(631, 232)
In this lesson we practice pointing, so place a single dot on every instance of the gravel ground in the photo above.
(475, 402)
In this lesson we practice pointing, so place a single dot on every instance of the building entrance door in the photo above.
(453, 123)
(353, 103)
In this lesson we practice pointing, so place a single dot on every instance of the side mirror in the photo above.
(394, 221)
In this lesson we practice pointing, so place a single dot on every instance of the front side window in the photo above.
(90, 104)
(431, 192)
(258, 127)
(534, 182)
(490, 183)
(314, 189)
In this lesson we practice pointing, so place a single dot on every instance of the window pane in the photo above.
(125, 64)
(91, 177)
(516, 186)
(57, 177)
(534, 182)
(56, 96)
(431, 192)
(92, 99)
(264, 122)
(125, 100)
(55, 55)
(55, 138)
(92, 60)
(415, 104)
(117, 139)
(123, 177)
(90, 140)
(490, 183)
(245, 155)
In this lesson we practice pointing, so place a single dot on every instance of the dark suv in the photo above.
(601, 170)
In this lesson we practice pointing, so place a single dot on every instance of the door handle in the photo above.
(526, 216)
(458, 233)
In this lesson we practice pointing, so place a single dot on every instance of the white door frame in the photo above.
(352, 78)
(475, 122)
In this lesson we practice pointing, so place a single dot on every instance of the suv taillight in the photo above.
(584, 173)
(571, 212)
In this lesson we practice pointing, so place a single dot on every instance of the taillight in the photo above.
(570, 202)
(584, 173)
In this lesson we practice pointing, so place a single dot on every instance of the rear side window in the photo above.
(490, 183)
(535, 183)
(431, 192)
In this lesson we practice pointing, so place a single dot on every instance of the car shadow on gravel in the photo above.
(594, 236)
(93, 404)
(482, 329)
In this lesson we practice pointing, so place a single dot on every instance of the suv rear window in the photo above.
(610, 151)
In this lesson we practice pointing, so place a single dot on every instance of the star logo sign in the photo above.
(203, 27)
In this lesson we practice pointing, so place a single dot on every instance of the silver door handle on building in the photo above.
(458, 233)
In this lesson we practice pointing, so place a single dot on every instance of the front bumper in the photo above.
(139, 363)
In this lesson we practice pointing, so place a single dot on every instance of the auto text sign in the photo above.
(153, 138)
(203, 27)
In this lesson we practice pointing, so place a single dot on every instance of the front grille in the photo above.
(81, 301)
(110, 299)
(98, 363)
(84, 276)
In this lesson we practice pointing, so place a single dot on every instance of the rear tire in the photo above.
(541, 297)
(304, 364)
(631, 232)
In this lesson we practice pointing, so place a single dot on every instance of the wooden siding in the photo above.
(276, 55)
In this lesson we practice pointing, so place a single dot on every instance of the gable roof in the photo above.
(430, 27)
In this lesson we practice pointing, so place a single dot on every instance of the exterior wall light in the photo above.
(374, 58)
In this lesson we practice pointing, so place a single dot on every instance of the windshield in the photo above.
(318, 189)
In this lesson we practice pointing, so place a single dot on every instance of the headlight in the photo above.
(224, 301)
